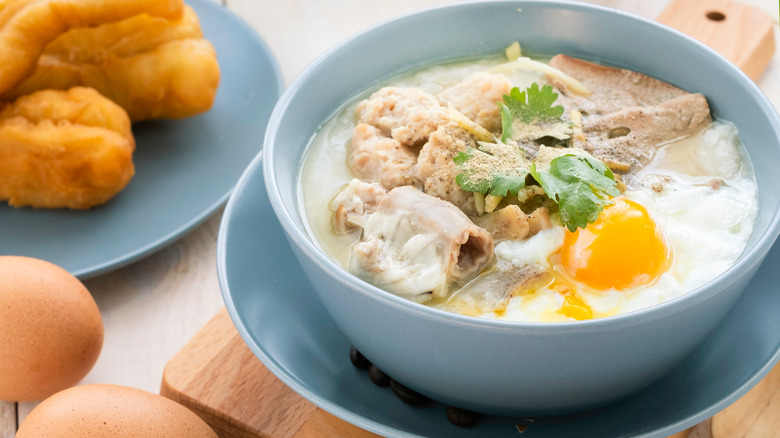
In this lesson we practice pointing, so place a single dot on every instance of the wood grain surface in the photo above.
(755, 415)
(742, 33)
(7, 419)
(220, 379)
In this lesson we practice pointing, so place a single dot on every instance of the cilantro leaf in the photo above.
(493, 168)
(581, 185)
(529, 115)
(462, 157)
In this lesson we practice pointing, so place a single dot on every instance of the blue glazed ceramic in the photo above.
(497, 366)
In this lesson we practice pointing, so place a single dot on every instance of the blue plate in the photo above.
(281, 319)
(185, 169)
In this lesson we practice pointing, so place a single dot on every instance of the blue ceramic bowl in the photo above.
(497, 366)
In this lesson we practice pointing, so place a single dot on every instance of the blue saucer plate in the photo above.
(185, 169)
(281, 319)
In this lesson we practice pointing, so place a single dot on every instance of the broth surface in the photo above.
(707, 227)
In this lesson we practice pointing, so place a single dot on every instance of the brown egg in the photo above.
(111, 411)
(51, 332)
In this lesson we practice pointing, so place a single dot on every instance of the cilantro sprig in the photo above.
(581, 185)
(494, 168)
(530, 115)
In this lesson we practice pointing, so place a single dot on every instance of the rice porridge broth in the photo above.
(699, 190)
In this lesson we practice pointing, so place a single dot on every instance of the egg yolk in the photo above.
(575, 308)
(623, 248)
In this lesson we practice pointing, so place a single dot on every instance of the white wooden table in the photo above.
(151, 308)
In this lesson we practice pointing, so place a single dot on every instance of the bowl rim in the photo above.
(300, 238)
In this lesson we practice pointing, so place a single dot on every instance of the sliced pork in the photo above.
(627, 140)
(628, 115)
(491, 292)
(613, 89)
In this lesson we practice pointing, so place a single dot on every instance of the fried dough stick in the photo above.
(152, 67)
(64, 149)
(27, 26)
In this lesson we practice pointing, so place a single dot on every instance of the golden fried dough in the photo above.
(27, 26)
(152, 67)
(64, 149)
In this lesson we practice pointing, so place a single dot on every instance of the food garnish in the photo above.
(522, 63)
(580, 184)
(513, 52)
(480, 133)
(492, 168)
(530, 115)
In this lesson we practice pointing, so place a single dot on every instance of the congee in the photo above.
(529, 190)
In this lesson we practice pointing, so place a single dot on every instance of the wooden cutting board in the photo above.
(742, 33)
(221, 380)
(218, 377)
